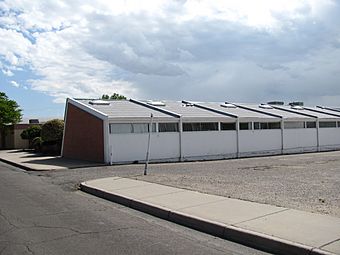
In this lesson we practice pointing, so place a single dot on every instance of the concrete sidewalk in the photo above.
(32, 161)
(275, 229)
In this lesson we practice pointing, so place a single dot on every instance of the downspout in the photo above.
(237, 137)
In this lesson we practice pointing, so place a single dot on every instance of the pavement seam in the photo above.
(262, 216)
(165, 194)
(207, 203)
(320, 247)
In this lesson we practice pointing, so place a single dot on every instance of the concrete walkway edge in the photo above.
(246, 237)
(12, 163)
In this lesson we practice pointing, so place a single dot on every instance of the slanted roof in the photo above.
(333, 114)
(188, 111)
(284, 114)
(305, 110)
(134, 110)
(125, 109)
(239, 112)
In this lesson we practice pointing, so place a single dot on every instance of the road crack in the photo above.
(7, 220)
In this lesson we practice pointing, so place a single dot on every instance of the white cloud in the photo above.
(15, 84)
(174, 49)
(8, 73)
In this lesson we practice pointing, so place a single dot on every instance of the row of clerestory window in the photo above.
(123, 128)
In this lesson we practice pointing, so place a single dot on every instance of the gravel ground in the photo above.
(309, 182)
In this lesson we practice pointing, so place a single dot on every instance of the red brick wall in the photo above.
(84, 135)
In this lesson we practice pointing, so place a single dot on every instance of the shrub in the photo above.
(31, 132)
(37, 144)
(52, 131)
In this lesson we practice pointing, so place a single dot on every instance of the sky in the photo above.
(222, 50)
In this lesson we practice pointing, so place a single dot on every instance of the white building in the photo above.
(117, 131)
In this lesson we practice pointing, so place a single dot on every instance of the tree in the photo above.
(114, 96)
(10, 113)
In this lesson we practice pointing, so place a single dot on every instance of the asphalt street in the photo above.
(40, 216)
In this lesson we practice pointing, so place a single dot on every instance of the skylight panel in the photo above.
(156, 103)
(265, 106)
(229, 105)
(99, 102)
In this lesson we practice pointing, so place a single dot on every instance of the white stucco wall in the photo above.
(208, 143)
(329, 136)
(220, 144)
(303, 139)
(132, 147)
(259, 141)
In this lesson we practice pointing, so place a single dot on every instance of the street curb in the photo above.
(26, 168)
(19, 165)
(245, 237)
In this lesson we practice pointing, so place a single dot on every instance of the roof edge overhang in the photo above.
(87, 108)
(141, 119)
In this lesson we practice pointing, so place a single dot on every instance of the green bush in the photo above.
(52, 131)
(31, 132)
(37, 144)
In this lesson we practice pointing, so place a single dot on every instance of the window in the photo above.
(120, 128)
(168, 127)
(257, 125)
(294, 124)
(200, 126)
(245, 126)
(267, 125)
(327, 124)
(274, 125)
(228, 126)
(125, 128)
(310, 124)
(338, 124)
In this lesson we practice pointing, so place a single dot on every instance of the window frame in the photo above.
(199, 126)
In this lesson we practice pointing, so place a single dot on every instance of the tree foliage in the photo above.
(114, 96)
(10, 113)
(52, 131)
(31, 132)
